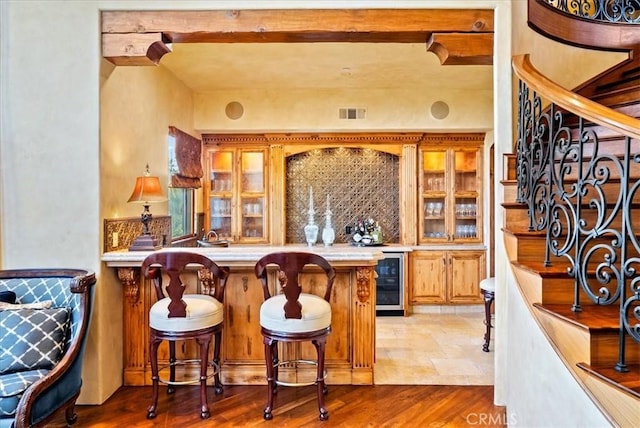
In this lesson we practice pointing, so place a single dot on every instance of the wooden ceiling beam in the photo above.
(131, 29)
(462, 49)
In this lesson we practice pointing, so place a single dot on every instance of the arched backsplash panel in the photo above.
(361, 183)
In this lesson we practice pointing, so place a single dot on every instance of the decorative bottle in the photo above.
(328, 234)
(311, 228)
(377, 234)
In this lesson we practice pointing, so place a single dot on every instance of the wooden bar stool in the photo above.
(488, 289)
(185, 316)
(294, 317)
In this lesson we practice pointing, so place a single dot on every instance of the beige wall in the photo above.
(137, 106)
(312, 110)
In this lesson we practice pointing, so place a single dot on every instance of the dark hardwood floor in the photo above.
(349, 406)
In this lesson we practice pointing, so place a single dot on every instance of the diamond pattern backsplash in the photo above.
(361, 183)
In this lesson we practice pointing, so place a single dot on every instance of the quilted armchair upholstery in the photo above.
(42, 341)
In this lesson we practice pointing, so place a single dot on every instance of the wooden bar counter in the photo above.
(350, 351)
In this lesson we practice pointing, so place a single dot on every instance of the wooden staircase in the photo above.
(587, 340)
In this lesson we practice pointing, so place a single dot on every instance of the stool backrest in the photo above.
(173, 264)
(290, 266)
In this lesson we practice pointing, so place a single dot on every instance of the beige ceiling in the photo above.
(208, 67)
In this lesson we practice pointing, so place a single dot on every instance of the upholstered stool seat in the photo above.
(202, 312)
(316, 314)
(179, 317)
(293, 316)
(488, 289)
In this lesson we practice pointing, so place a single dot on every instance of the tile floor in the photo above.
(443, 347)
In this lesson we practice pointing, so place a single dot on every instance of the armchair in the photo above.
(42, 341)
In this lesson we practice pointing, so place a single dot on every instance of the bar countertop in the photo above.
(248, 254)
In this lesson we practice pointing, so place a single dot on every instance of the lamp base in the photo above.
(145, 243)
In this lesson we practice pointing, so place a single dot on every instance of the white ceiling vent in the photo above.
(352, 113)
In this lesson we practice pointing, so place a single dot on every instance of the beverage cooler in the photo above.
(390, 285)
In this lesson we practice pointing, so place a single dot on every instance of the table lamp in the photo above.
(146, 190)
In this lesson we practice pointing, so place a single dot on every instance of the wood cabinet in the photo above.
(450, 189)
(236, 195)
(446, 276)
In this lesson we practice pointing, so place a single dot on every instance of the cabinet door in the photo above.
(465, 270)
(242, 340)
(451, 195)
(252, 193)
(434, 199)
(219, 192)
(428, 281)
(466, 216)
(236, 194)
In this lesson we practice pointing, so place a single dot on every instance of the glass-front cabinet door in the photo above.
(252, 195)
(450, 189)
(221, 180)
(434, 195)
(236, 194)
(466, 196)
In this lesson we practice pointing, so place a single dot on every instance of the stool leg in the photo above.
(322, 389)
(275, 360)
(172, 367)
(216, 363)
(154, 342)
(269, 345)
(204, 364)
(488, 300)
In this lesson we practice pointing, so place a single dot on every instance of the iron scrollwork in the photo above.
(581, 196)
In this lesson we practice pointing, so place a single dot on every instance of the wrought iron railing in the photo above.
(619, 11)
(578, 169)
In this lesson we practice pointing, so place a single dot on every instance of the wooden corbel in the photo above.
(130, 279)
(363, 281)
(462, 48)
(208, 282)
(135, 48)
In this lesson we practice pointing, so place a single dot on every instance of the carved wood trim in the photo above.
(315, 138)
(213, 139)
(453, 138)
(363, 281)
(208, 282)
(130, 279)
